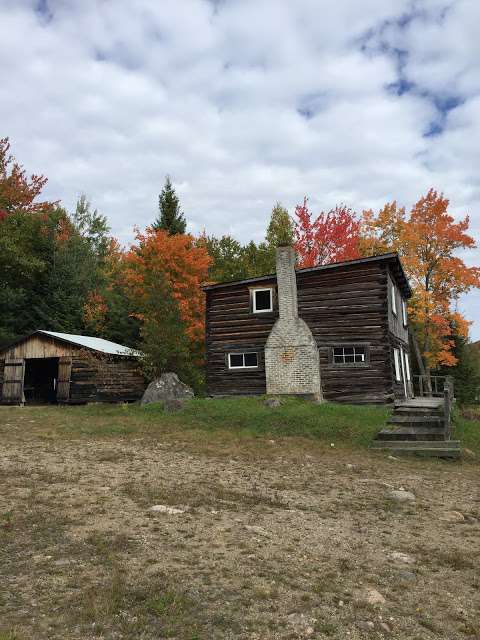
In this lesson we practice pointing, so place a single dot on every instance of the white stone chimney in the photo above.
(291, 355)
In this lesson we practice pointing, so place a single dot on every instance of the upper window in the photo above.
(396, 358)
(262, 300)
(243, 360)
(393, 293)
(355, 355)
(404, 313)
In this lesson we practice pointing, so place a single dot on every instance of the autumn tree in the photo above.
(332, 236)
(428, 240)
(171, 218)
(18, 191)
(166, 272)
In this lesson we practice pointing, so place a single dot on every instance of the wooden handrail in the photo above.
(448, 398)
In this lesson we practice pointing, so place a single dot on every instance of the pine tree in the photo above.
(280, 228)
(171, 218)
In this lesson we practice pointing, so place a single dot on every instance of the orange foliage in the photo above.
(94, 312)
(181, 263)
(17, 190)
(427, 241)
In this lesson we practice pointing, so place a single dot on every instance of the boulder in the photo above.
(165, 389)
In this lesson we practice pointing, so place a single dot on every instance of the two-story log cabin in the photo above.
(337, 331)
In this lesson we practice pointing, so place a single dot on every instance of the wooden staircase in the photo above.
(421, 426)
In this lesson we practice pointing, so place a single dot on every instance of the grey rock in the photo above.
(165, 389)
(385, 627)
(401, 496)
(368, 595)
(407, 576)
(273, 403)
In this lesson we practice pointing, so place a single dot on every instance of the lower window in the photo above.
(247, 360)
(351, 355)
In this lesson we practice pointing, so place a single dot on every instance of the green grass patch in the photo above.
(339, 424)
(467, 428)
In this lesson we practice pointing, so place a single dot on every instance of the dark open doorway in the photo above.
(40, 382)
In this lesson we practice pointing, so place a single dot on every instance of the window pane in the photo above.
(236, 360)
(359, 356)
(338, 359)
(348, 351)
(251, 359)
(263, 300)
(350, 358)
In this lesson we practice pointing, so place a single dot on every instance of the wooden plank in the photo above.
(13, 377)
(63, 381)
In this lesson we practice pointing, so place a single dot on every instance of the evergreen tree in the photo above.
(280, 231)
(171, 218)
(466, 373)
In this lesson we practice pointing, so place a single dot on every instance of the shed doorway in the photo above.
(40, 381)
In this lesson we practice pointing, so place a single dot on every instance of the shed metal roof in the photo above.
(89, 342)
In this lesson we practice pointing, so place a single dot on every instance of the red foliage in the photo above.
(17, 190)
(331, 237)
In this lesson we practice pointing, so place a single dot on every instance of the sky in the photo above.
(245, 103)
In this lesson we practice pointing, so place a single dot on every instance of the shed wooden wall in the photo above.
(347, 305)
(94, 377)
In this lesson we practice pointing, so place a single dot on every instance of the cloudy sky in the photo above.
(243, 103)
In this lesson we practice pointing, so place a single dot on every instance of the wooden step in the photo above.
(395, 419)
(411, 433)
(443, 449)
(418, 411)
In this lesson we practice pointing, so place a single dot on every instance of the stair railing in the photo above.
(448, 399)
(429, 386)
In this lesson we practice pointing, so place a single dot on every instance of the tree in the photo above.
(163, 277)
(17, 190)
(92, 226)
(331, 237)
(227, 261)
(427, 240)
(466, 372)
(171, 218)
(280, 229)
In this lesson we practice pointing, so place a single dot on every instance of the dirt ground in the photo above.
(273, 539)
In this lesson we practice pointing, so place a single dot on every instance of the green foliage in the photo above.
(163, 339)
(171, 218)
(227, 259)
(49, 264)
(466, 373)
(280, 231)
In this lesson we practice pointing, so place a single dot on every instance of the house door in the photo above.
(13, 375)
(63, 381)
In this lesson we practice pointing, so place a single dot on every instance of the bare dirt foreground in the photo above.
(282, 538)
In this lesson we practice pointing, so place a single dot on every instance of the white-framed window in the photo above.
(262, 300)
(404, 313)
(349, 355)
(247, 360)
(407, 365)
(393, 296)
(396, 359)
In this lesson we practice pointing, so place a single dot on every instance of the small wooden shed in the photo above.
(63, 368)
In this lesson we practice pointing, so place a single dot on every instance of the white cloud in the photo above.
(244, 102)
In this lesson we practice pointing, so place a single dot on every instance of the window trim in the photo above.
(243, 367)
(393, 298)
(349, 365)
(404, 312)
(253, 293)
(408, 374)
(396, 364)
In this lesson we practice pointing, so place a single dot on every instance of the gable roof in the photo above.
(89, 342)
(392, 259)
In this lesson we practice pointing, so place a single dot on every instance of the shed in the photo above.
(63, 368)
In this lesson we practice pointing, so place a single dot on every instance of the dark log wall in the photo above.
(231, 326)
(344, 306)
(97, 379)
(347, 306)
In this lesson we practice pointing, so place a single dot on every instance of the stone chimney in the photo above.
(291, 355)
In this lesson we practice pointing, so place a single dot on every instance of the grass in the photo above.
(342, 425)
(467, 427)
